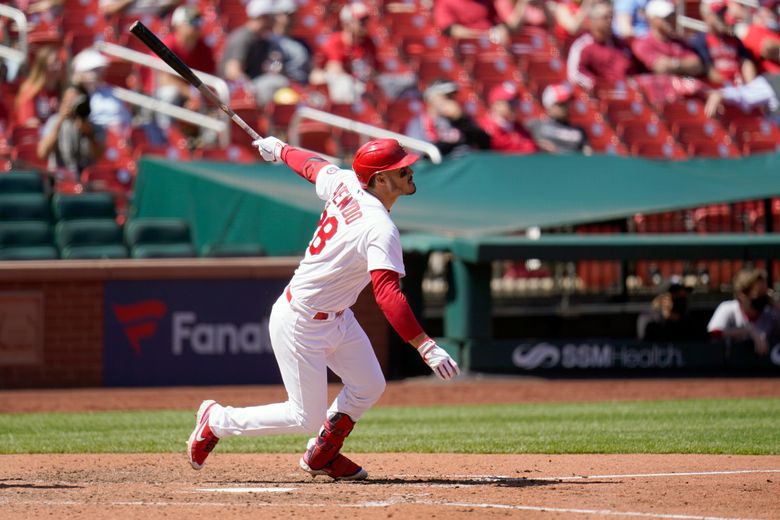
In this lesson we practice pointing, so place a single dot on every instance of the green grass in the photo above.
(730, 426)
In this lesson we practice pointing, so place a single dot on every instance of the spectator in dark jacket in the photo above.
(554, 133)
(446, 124)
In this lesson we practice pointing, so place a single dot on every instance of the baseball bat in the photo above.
(168, 56)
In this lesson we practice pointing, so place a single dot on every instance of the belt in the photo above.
(317, 316)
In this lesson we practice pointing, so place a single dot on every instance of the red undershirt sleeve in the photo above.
(387, 291)
(305, 164)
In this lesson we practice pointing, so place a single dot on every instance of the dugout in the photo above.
(477, 208)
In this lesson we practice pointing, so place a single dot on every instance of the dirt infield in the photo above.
(400, 486)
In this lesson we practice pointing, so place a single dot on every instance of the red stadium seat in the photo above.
(654, 149)
(690, 131)
(684, 110)
(318, 137)
(234, 154)
(707, 148)
(635, 131)
(760, 145)
(618, 110)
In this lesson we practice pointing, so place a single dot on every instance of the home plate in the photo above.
(247, 490)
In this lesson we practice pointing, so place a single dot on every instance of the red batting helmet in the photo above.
(380, 155)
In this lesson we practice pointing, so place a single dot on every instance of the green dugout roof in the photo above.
(480, 194)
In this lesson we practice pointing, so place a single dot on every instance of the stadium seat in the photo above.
(159, 238)
(618, 110)
(234, 250)
(654, 149)
(707, 148)
(690, 131)
(90, 239)
(233, 153)
(21, 182)
(754, 146)
(24, 206)
(83, 206)
(684, 110)
(318, 137)
(632, 131)
(26, 240)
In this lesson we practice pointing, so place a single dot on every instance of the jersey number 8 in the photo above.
(326, 229)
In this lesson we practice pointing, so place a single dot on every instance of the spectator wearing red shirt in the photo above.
(39, 93)
(506, 135)
(725, 58)
(571, 20)
(660, 50)
(469, 19)
(762, 38)
(347, 60)
(598, 57)
(187, 43)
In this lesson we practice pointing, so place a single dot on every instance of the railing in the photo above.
(217, 84)
(697, 25)
(175, 111)
(18, 55)
(359, 128)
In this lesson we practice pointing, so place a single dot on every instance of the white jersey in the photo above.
(355, 235)
(729, 315)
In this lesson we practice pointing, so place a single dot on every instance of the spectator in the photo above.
(506, 135)
(764, 91)
(106, 110)
(347, 60)
(250, 58)
(762, 38)
(446, 124)
(296, 55)
(598, 56)
(39, 93)
(725, 58)
(669, 318)
(660, 50)
(630, 19)
(554, 133)
(136, 7)
(468, 19)
(571, 19)
(751, 315)
(68, 139)
(187, 43)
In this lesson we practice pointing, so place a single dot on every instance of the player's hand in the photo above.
(270, 148)
(438, 359)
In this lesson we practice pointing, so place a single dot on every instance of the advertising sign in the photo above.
(580, 356)
(189, 332)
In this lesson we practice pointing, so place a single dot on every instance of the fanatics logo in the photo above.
(140, 320)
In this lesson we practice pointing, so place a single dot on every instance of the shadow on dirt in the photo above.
(25, 485)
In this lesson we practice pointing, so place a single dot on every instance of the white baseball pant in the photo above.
(304, 347)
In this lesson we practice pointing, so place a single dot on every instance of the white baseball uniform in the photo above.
(312, 326)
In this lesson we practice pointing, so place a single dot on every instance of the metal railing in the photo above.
(359, 128)
(695, 24)
(219, 86)
(18, 55)
(168, 109)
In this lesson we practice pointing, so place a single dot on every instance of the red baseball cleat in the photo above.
(202, 440)
(340, 468)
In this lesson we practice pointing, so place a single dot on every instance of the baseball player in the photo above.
(312, 327)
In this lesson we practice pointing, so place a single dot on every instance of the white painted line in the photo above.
(603, 512)
(247, 490)
(364, 505)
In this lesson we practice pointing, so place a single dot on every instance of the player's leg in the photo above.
(302, 364)
(300, 349)
(355, 362)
